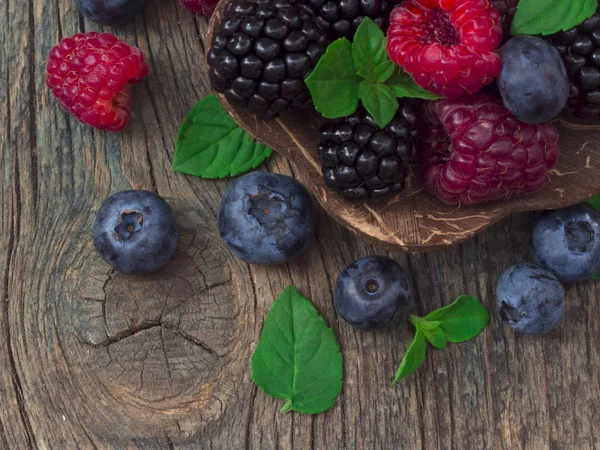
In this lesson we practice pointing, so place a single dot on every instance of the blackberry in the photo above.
(362, 161)
(507, 10)
(580, 49)
(341, 18)
(262, 52)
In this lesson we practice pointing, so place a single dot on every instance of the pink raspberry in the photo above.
(446, 45)
(91, 76)
(200, 7)
(473, 150)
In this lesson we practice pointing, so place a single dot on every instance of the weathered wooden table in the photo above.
(91, 359)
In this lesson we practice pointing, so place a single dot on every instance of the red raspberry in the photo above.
(446, 45)
(200, 7)
(91, 75)
(473, 150)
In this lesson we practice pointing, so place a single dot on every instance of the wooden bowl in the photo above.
(414, 220)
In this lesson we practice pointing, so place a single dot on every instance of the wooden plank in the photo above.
(91, 359)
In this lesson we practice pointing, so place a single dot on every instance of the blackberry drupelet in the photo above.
(580, 49)
(341, 18)
(362, 161)
(262, 52)
(507, 10)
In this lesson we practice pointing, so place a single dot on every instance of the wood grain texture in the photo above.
(94, 360)
(414, 220)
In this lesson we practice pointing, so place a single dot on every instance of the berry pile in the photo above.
(361, 160)
(580, 49)
(261, 54)
(469, 147)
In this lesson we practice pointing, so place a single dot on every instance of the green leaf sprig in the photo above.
(550, 16)
(298, 358)
(361, 71)
(211, 145)
(458, 322)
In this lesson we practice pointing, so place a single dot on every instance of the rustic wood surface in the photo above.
(93, 360)
(415, 220)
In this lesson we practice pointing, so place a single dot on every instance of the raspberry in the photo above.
(446, 45)
(200, 7)
(261, 54)
(473, 150)
(341, 18)
(361, 160)
(91, 76)
(580, 49)
(507, 10)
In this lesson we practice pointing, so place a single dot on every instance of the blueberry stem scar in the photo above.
(131, 222)
(505, 310)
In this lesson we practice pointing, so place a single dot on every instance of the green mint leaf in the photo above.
(297, 358)
(379, 101)
(462, 320)
(595, 201)
(413, 358)
(211, 145)
(403, 85)
(597, 277)
(334, 83)
(550, 16)
(424, 324)
(369, 52)
(384, 71)
(436, 337)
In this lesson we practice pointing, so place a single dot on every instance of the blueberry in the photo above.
(110, 12)
(266, 218)
(567, 242)
(530, 299)
(371, 293)
(135, 231)
(533, 82)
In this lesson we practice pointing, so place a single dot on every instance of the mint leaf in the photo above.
(436, 337)
(403, 85)
(462, 320)
(369, 53)
(550, 16)
(211, 145)
(384, 71)
(297, 358)
(424, 324)
(595, 201)
(431, 330)
(597, 277)
(334, 83)
(379, 101)
(413, 358)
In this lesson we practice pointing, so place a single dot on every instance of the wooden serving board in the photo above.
(414, 220)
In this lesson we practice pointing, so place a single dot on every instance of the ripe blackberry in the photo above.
(262, 52)
(361, 160)
(341, 18)
(580, 49)
(507, 10)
